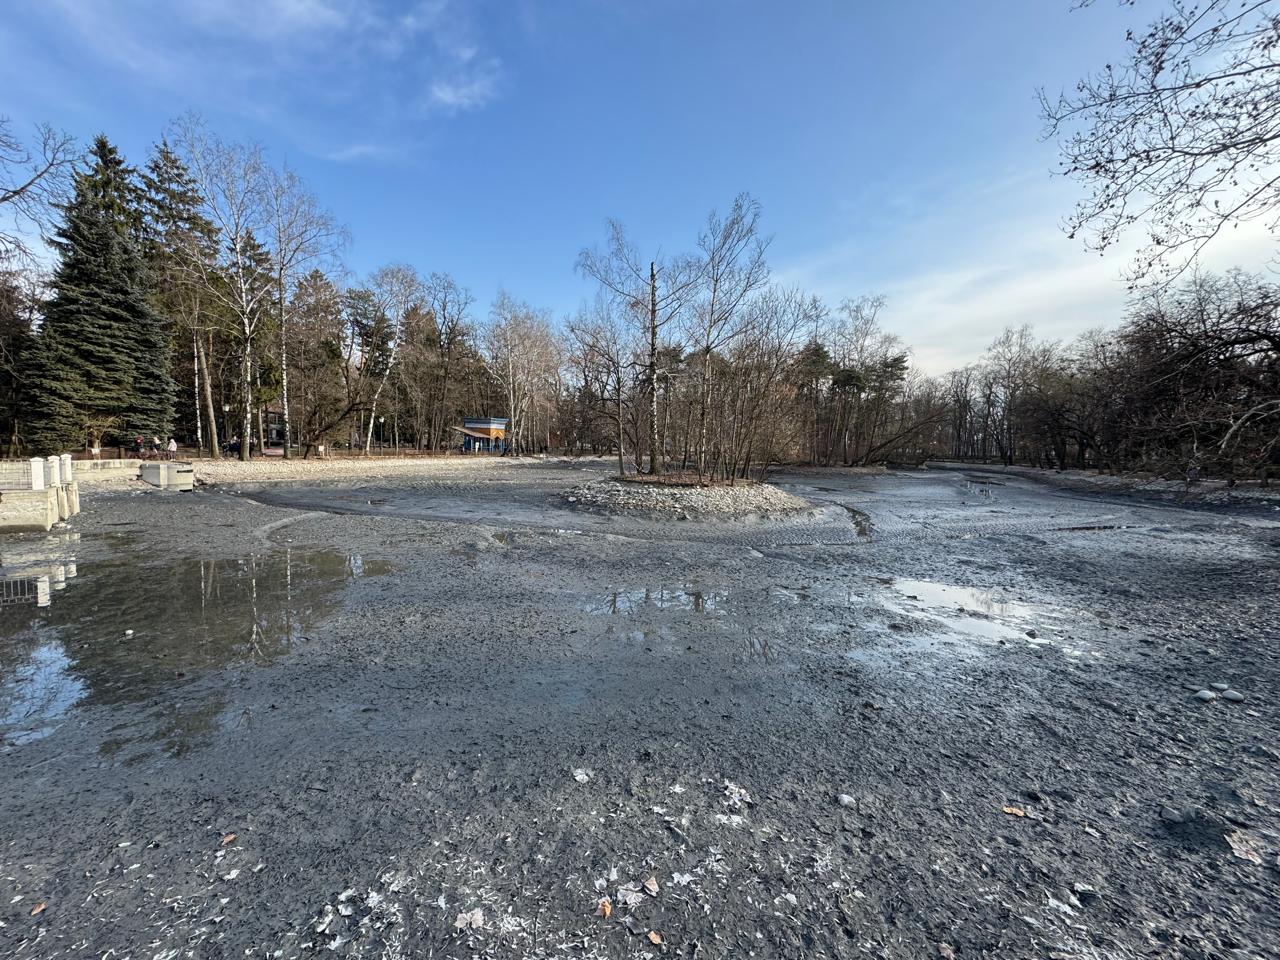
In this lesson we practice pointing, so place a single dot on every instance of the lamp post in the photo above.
(226, 411)
(382, 433)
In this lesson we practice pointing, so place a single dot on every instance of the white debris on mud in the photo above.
(685, 501)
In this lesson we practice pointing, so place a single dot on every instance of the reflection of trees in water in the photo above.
(187, 616)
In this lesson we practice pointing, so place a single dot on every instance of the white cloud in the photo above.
(296, 63)
(960, 270)
(356, 151)
(467, 90)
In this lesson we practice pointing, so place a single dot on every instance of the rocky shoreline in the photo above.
(685, 502)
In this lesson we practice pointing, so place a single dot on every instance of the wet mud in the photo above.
(931, 716)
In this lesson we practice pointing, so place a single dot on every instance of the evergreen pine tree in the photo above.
(176, 237)
(100, 365)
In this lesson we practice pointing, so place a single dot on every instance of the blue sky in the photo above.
(894, 146)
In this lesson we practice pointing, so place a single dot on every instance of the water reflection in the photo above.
(132, 630)
(934, 594)
(31, 571)
(657, 598)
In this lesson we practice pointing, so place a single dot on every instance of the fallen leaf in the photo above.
(38, 908)
(655, 937)
(1015, 811)
(604, 908)
(651, 886)
(229, 838)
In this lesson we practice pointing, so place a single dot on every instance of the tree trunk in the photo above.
(655, 455)
(195, 363)
(246, 391)
(261, 413)
(215, 450)
(622, 463)
(284, 366)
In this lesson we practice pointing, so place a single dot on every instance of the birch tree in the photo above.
(301, 233)
(234, 184)
(396, 289)
(523, 357)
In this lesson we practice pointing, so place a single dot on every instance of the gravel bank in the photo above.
(745, 500)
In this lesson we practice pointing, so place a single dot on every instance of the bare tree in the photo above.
(607, 348)
(234, 184)
(658, 293)
(300, 233)
(1183, 138)
(733, 268)
(34, 183)
(397, 289)
(524, 358)
(450, 305)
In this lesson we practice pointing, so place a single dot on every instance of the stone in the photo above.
(1220, 686)
(1177, 814)
(847, 800)
(1235, 696)
(1033, 635)
(1206, 695)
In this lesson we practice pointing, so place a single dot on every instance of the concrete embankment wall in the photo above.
(37, 493)
(91, 471)
(28, 511)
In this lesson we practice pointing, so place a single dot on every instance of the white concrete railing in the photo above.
(37, 473)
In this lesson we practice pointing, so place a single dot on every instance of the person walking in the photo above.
(173, 448)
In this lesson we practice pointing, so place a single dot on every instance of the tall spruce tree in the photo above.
(100, 366)
(181, 247)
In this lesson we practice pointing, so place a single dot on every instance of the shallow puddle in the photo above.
(659, 598)
(933, 594)
(974, 613)
(128, 629)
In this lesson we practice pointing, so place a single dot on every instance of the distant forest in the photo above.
(202, 294)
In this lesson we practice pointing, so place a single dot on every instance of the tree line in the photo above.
(203, 295)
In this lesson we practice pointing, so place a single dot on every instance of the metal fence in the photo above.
(16, 474)
(18, 590)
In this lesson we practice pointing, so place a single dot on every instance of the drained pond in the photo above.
(414, 718)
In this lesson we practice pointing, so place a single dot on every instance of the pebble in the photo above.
(1235, 696)
(1177, 814)
(1206, 695)
(846, 800)
(1220, 686)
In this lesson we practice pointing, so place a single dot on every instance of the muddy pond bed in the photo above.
(935, 714)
